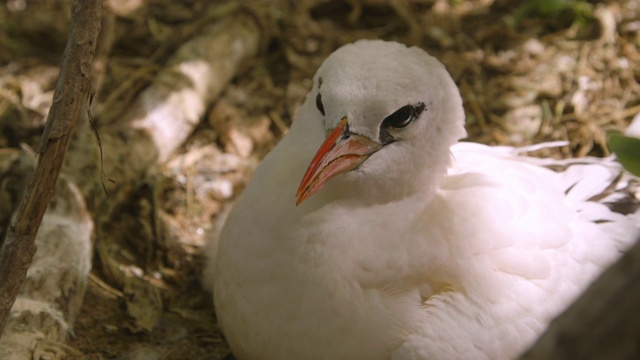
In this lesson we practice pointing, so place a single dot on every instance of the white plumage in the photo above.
(406, 244)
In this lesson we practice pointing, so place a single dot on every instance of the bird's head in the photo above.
(390, 114)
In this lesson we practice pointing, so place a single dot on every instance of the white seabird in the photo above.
(404, 243)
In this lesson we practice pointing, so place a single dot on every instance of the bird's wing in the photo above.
(541, 242)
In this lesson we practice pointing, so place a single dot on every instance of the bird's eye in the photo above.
(319, 104)
(403, 116)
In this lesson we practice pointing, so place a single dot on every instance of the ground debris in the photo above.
(525, 78)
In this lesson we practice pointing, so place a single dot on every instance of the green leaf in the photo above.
(579, 11)
(628, 151)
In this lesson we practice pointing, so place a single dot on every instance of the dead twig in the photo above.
(71, 91)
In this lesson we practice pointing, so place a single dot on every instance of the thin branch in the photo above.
(71, 91)
(95, 132)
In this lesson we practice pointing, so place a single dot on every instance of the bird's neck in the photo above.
(366, 191)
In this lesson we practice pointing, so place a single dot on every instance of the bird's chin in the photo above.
(355, 188)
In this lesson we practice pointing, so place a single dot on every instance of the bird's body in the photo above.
(415, 247)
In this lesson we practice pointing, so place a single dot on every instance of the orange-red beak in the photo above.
(342, 151)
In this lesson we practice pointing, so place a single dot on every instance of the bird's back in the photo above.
(524, 240)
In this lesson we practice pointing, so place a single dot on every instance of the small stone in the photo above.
(523, 123)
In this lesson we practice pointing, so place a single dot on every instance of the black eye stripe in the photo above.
(403, 116)
(400, 118)
(319, 104)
